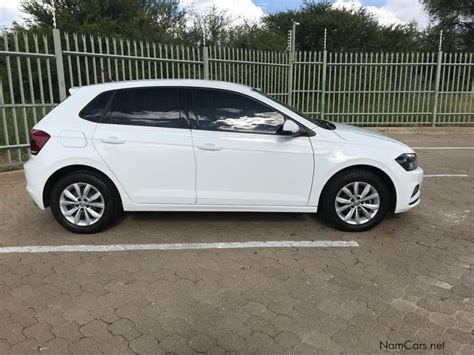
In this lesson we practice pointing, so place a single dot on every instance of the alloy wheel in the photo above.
(82, 204)
(357, 203)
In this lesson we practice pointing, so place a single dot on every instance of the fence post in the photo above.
(437, 80)
(205, 57)
(322, 106)
(58, 53)
(291, 59)
(4, 121)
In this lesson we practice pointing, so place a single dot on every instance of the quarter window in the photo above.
(96, 108)
(227, 111)
(156, 107)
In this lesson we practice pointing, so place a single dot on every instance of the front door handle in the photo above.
(112, 140)
(210, 147)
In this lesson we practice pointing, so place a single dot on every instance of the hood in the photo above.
(364, 136)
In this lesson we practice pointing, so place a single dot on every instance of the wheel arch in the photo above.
(58, 174)
(373, 169)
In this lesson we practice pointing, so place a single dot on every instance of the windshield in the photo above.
(321, 123)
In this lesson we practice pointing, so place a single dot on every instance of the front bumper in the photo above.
(409, 190)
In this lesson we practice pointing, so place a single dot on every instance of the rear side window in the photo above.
(227, 111)
(96, 108)
(157, 107)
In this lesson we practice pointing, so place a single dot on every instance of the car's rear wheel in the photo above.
(83, 203)
(355, 200)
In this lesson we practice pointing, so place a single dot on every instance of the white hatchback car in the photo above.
(194, 145)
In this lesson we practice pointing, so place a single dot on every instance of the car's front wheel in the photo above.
(83, 203)
(355, 200)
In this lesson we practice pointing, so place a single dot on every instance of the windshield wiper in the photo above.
(323, 123)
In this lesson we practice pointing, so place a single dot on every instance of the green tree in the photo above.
(346, 30)
(211, 28)
(257, 36)
(217, 28)
(160, 20)
(456, 19)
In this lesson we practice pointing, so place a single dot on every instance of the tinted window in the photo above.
(145, 107)
(227, 111)
(96, 108)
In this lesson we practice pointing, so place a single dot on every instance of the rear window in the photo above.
(96, 108)
(155, 107)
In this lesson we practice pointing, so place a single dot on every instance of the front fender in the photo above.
(339, 156)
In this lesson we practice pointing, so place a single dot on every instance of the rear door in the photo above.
(242, 160)
(145, 140)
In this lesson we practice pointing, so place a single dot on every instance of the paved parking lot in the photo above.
(410, 279)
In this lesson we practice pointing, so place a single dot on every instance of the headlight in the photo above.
(407, 161)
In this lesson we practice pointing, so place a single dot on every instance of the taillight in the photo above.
(37, 140)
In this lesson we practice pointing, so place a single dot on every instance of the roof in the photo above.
(165, 82)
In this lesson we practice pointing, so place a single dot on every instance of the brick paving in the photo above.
(411, 279)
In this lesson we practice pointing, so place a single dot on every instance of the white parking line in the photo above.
(178, 246)
(444, 148)
(445, 175)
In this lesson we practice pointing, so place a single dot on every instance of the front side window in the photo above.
(227, 111)
(157, 107)
(319, 122)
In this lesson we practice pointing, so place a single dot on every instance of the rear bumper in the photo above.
(409, 190)
(34, 181)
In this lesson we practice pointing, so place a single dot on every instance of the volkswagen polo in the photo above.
(195, 145)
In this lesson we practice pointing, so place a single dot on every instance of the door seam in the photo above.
(195, 166)
(314, 172)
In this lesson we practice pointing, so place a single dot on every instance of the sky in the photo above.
(387, 12)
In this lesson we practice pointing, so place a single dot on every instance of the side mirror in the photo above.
(290, 128)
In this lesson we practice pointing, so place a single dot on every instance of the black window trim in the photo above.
(186, 107)
(305, 130)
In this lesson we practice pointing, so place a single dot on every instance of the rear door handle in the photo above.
(112, 140)
(210, 147)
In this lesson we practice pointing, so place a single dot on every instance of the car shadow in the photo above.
(218, 216)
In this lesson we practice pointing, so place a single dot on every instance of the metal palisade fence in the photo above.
(366, 89)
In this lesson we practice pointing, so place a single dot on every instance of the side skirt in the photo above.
(219, 208)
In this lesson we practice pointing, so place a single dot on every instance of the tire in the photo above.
(343, 209)
(94, 213)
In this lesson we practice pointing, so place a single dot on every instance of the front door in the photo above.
(241, 159)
